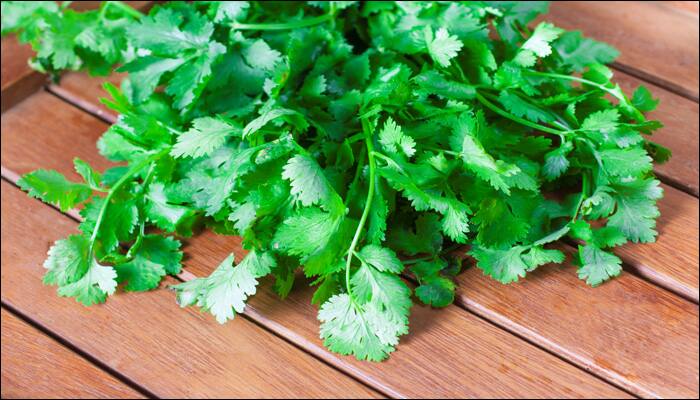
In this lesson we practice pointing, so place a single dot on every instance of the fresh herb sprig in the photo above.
(363, 141)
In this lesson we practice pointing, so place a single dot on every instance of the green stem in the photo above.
(65, 5)
(302, 23)
(618, 95)
(127, 9)
(118, 4)
(368, 204)
(584, 193)
(103, 209)
(517, 119)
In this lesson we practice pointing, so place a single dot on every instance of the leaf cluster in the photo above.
(364, 142)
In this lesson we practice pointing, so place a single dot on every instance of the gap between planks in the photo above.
(76, 350)
(656, 81)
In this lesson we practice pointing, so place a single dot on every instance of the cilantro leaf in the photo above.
(442, 46)
(52, 187)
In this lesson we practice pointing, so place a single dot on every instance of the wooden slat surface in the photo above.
(466, 345)
(628, 330)
(18, 80)
(656, 41)
(678, 271)
(146, 336)
(36, 366)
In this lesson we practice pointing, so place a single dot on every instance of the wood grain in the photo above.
(467, 365)
(145, 336)
(36, 366)
(633, 333)
(17, 80)
(678, 272)
(656, 42)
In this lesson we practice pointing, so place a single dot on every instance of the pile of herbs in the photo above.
(363, 141)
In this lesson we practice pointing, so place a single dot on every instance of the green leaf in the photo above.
(538, 44)
(156, 257)
(206, 135)
(436, 291)
(309, 184)
(630, 162)
(91, 177)
(225, 291)
(162, 212)
(381, 258)
(260, 55)
(363, 331)
(636, 211)
(579, 52)
(643, 100)
(394, 141)
(505, 266)
(596, 265)
(442, 46)
(53, 188)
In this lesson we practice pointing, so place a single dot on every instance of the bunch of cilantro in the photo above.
(362, 141)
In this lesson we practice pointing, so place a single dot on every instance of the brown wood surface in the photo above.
(627, 330)
(656, 42)
(36, 366)
(17, 80)
(466, 365)
(145, 336)
(677, 271)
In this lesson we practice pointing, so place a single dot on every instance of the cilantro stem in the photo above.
(118, 4)
(368, 203)
(302, 23)
(125, 178)
(619, 95)
(584, 193)
(517, 119)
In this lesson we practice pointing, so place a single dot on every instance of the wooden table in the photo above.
(547, 336)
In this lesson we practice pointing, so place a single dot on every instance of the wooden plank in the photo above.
(17, 79)
(655, 42)
(678, 273)
(684, 6)
(36, 366)
(84, 92)
(167, 350)
(465, 343)
(672, 261)
(639, 336)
